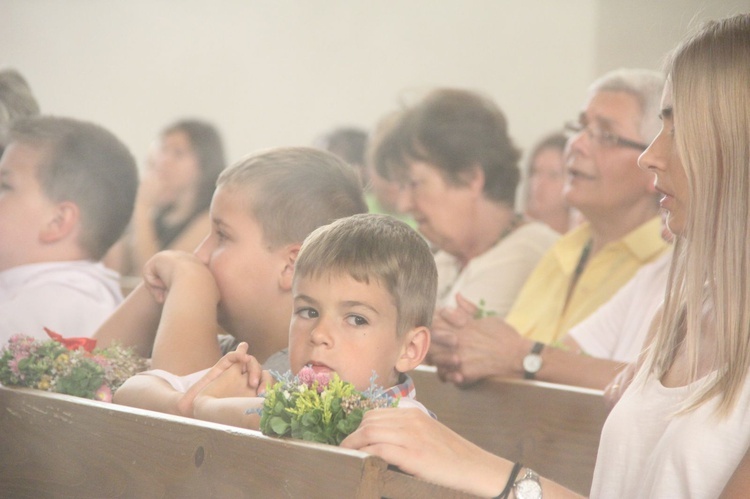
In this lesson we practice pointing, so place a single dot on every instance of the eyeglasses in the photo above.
(603, 137)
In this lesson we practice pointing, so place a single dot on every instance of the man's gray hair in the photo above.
(643, 84)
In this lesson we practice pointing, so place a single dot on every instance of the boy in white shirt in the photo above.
(67, 190)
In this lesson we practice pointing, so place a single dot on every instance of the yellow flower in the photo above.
(44, 383)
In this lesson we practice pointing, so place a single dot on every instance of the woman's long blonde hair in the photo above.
(710, 76)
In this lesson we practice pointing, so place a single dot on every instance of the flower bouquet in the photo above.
(67, 365)
(317, 407)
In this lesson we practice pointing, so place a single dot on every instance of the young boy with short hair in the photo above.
(240, 277)
(67, 190)
(364, 294)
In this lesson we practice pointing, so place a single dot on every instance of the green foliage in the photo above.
(317, 413)
(481, 312)
(83, 381)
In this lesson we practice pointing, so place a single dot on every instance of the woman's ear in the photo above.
(62, 223)
(289, 253)
(414, 348)
(474, 179)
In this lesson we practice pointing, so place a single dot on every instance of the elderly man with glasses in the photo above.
(587, 266)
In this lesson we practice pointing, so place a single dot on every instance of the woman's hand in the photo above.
(470, 349)
(423, 447)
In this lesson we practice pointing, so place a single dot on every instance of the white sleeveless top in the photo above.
(646, 452)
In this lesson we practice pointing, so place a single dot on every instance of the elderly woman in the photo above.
(459, 172)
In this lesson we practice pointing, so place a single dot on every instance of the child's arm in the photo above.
(149, 392)
(152, 392)
(133, 323)
(227, 400)
(186, 337)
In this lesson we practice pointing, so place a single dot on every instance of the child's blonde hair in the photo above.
(294, 190)
(380, 248)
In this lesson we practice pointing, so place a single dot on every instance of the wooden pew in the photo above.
(554, 429)
(55, 445)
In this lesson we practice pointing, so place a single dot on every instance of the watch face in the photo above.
(532, 363)
(528, 489)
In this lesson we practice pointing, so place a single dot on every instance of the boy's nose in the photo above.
(321, 335)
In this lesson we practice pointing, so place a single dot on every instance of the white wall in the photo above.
(280, 72)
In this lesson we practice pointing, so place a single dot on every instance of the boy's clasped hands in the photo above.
(236, 375)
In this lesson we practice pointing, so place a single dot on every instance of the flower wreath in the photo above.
(67, 365)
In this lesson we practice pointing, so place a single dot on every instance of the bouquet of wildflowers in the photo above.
(67, 365)
(318, 407)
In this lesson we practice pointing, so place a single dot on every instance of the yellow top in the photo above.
(540, 312)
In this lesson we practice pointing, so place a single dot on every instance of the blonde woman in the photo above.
(680, 429)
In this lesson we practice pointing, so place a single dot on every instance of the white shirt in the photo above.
(496, 276)
(70, 298)
(646, 452)
(617, 330)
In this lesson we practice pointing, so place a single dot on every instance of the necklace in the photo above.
(580, 266)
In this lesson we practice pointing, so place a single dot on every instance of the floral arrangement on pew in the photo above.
(67, 365)
(317, 407)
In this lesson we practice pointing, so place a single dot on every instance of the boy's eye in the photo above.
(356, 320)
(307, 313)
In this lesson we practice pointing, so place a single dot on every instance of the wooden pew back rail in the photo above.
(553, 429)
(54, 445)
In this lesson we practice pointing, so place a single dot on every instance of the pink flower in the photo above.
(308, 376)
(323, 379)
(13, 364)
(103, 393)
(103, 362)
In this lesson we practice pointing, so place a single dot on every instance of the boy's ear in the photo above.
(62, 223)
(289, 254)
(416, 343)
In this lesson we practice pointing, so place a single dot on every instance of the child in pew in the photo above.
(240, 276)
(364, 294)
(67, 190)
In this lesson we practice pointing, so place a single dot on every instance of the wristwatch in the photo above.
(528, 486)
(533, 361)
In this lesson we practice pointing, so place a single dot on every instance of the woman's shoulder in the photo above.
(534, 235)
